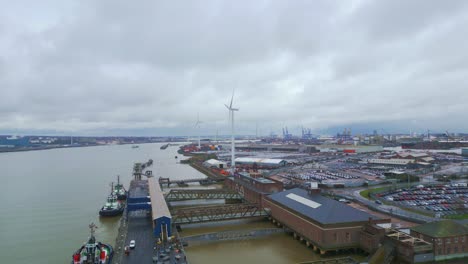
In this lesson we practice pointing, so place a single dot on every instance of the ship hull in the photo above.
(106, 246)
(114, 212)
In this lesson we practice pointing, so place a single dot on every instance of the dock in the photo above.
(154, 224)
(147, 221)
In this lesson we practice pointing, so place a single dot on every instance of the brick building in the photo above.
(322, 222)
(253, 186)
(449, 238)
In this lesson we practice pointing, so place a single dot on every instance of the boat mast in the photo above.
(92, 229)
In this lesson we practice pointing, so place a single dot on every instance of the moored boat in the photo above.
(164, 146)
(119, 190)
(93, 252)
(112, 207)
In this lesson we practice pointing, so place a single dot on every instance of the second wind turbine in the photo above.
(197, 125)
(231, 116)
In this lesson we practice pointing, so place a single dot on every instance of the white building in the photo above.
(213, 163)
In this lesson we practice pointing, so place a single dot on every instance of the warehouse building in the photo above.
(159, 211)
(213, 163)
(391, 162)
(322, 222)
(261, 162)
(349, 149)
(464, 152)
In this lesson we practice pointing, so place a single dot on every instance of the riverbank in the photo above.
(7, 150)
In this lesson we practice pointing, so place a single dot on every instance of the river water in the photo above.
(49, 198)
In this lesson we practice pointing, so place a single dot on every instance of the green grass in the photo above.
(367, 192)
(457, 216)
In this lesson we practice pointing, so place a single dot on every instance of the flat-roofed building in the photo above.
(253, 187)
(261, 162)
(324, 223)
(393, 162)
(464, 152)
(213, 163)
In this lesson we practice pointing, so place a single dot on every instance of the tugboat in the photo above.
(93, 252)
(119, 190)
(164, 146)
(112, 206)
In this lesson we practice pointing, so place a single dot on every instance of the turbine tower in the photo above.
(231, 116)
(197, 125)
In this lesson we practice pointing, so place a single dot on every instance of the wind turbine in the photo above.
(231, 116)
(197, 125)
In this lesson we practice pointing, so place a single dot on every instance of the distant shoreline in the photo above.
(61, 147)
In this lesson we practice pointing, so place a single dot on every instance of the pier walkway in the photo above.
(192, 215)
(203, 181)
(191, 194)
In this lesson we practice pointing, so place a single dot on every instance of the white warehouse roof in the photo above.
(214, 162)
(259, 160)
(391, 161)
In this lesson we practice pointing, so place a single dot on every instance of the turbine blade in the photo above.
(232, 98)
(227, 106)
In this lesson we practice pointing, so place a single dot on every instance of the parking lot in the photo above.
(396, 222)
(438, 200)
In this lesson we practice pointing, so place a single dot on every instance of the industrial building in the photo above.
(13, 142)
(253, 187)
(449, 238)
(349, 149)
(392, 162)
(464, 152)
(261, 162)
(213, 163)
(161, 215)
(324, 223)
(140, 200)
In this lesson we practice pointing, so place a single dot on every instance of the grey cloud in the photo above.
(152, 65)
(390, 20)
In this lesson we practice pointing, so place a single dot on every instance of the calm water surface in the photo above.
(274, 249)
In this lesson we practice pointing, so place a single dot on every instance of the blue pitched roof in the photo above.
(329, 211)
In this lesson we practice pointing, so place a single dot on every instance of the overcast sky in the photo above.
(147, 67)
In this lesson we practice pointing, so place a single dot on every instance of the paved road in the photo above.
(147, 251)
(140, 230)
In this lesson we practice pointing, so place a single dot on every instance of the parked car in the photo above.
(132, 244)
